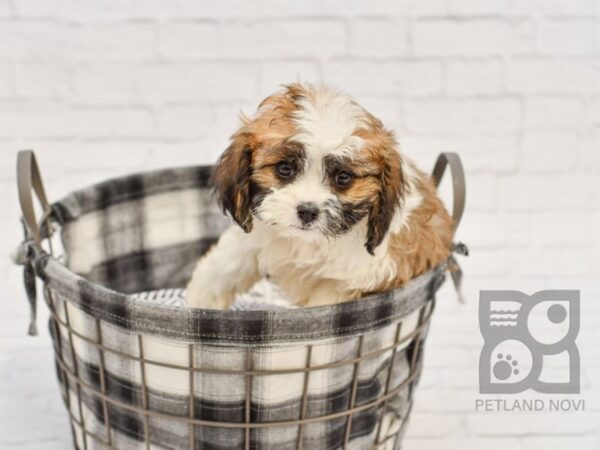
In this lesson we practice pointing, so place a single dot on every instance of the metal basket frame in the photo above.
(36, 234)
(71, 375)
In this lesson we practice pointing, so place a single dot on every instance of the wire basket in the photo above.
(138, 375)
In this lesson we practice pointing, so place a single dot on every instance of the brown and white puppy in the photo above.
(325, 206)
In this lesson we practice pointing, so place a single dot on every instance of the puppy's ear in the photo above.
(232, 182)
(391, 193)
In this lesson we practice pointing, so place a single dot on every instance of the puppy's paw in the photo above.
(207, 289)
(208, 300)
(202, 292)
(228, 268)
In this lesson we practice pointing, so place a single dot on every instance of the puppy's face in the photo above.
(312, 164)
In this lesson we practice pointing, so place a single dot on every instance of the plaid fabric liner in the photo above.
(127, 366)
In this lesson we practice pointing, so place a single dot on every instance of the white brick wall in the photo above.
(106, 87)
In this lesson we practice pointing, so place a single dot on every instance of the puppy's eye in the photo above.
(285, 169)
(343, 179)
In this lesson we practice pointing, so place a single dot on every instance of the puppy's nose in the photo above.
(307, 212)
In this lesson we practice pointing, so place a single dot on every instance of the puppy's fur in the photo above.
(325, 206)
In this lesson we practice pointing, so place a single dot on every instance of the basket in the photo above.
(138, 375)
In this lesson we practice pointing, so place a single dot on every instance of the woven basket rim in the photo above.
(251, 327)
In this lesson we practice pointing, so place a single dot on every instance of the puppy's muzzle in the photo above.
(307, 212)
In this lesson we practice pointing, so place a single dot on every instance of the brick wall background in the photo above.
(101, 88)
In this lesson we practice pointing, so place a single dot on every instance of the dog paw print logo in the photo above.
(524, 334)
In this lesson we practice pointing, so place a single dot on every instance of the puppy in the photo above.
(325, 205)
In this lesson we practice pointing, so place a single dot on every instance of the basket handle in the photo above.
(459, 193)
(459, 187)
(28, 180)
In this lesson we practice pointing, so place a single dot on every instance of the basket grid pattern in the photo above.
(75, 388)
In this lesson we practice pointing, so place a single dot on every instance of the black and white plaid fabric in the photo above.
(137, 374)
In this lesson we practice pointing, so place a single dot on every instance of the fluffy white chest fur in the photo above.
(308, 273)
